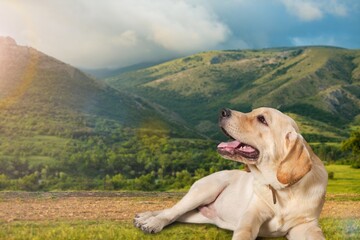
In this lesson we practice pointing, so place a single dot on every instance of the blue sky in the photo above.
(115, 33)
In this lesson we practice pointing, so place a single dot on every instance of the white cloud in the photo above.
(112, 33)
(338, 9)
(182, 27)
(305, 10)
(310, 10)
(126, 39)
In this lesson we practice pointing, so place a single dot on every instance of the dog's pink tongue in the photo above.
(229, 145)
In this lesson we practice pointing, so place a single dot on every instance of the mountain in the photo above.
(318, 86)
(101, 73)
(61, 129)
(50, 94)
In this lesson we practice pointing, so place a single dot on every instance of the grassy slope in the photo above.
(45, 93)
(321, 85)
(45, 103)
(346, 179)
(47, 106)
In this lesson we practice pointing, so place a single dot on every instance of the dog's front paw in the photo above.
(149, 222)
(141, 218)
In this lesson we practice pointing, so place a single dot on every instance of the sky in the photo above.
(117, 33)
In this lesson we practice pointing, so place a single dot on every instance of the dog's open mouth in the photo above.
(235, 149)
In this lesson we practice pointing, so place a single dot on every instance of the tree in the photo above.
(353, 144)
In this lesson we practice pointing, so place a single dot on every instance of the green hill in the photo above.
(48, 94)
(60, 129)
(319, 86)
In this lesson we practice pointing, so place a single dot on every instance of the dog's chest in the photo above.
(274, 227)
(283, 210)
(287, 215)
(280, 224)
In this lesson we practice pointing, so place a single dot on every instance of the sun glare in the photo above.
(19, 16)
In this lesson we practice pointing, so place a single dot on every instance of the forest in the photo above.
(112, 157)
(104, 158)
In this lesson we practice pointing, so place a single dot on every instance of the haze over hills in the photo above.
(38, 86)
(318, 86)
(101, 73)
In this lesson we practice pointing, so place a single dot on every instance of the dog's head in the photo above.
(268, 137)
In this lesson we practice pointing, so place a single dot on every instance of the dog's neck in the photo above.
(266, 176)
(273, 190)
(269, 179)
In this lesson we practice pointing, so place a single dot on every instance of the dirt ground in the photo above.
(15, 206)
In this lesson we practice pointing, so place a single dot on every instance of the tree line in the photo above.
(118, 158)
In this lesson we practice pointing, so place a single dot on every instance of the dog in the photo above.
(282, 195)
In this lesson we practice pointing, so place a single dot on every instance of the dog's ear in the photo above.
(296, 162)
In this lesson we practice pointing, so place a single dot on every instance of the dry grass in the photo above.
(119, 206)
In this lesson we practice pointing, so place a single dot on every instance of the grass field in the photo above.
(346, 179)
(333, 229)
(108, 215)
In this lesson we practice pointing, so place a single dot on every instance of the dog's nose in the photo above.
(225, 113)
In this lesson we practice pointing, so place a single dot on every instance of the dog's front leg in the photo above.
(251, 221)
(203, 192)
(308, 231)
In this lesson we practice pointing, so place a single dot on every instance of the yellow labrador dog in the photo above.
(282, 195)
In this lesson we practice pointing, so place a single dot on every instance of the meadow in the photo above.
(108, 215)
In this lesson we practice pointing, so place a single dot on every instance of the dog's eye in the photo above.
(262, 119)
